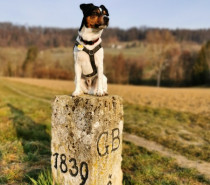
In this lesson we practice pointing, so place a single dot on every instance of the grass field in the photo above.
(193, 100)
(176, 118)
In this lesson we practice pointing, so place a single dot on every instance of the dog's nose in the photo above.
(106, 19)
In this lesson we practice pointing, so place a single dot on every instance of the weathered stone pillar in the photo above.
(87, 140)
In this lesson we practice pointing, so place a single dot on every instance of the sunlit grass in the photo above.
(25, 139)
(44, 178)
(194, 100)
(142, 167)
(186, 133)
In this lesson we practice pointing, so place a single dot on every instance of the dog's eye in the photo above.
(95, 14)
(92, 16)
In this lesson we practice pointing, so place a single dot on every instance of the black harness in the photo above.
(91, 54)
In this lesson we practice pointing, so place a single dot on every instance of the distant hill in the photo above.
(17, 35)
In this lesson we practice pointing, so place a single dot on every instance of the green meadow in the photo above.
(25, 134)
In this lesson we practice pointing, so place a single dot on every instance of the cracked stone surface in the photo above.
(87, 140)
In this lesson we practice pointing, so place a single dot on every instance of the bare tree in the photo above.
(160, 44)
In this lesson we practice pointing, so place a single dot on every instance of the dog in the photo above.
(88, 53)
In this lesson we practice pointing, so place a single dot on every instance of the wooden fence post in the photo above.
(87, 140)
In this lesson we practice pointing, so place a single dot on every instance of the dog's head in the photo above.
(94, 16)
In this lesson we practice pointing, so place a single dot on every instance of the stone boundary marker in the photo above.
(87, 140)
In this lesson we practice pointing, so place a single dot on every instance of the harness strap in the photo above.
(91, 54)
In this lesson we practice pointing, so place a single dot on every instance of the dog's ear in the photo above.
(86, 7)
(105, 9)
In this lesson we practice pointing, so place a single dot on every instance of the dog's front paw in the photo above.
(76, 93)
(100, 93)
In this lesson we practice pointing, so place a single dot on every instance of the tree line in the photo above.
(171, 66)
(17, 35)
(165, 61)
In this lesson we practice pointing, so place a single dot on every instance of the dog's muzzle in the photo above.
(106, 20)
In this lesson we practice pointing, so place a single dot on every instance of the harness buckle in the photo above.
(91, 52)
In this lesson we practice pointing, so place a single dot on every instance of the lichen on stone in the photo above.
(87, 140)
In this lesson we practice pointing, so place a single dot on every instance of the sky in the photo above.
(191, 14)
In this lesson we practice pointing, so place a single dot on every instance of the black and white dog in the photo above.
(88, 53)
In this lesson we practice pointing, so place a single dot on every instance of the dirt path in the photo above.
(201, 166)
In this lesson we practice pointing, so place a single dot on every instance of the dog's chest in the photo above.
(83, 60)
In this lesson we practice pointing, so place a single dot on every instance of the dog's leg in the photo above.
(95, 86)
(78, 73)
(105, 88)
(99, 83)
(84, 86)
